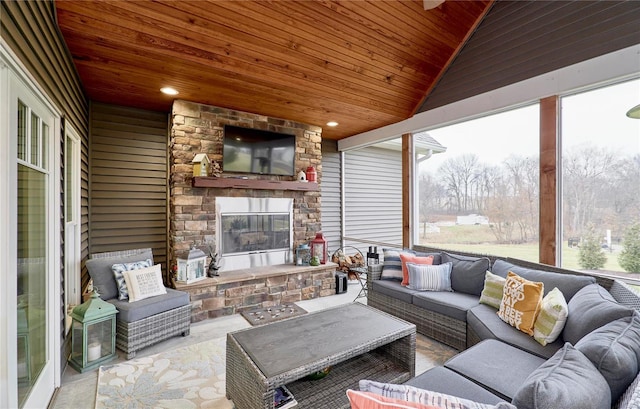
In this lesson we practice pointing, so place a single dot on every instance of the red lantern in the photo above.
(319, 248)
(311, 173)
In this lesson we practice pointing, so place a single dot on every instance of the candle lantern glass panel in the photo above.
(303, 255)
(193, 267)
(93, 334)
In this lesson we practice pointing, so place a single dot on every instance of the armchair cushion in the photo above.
(100, 271)
(131, 312)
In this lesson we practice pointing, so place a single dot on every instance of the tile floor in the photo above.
(78, 390)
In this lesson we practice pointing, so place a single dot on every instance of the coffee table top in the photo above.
(282, 346)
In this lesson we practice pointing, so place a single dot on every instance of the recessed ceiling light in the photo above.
(169, 91)
(332, 123)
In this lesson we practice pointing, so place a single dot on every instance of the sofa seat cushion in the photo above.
(102, 275)
(568, 284)
(497, 366)
(484, 322)
(443, 380)
(135, 311)
(566, 380)
(591, 308)
(393, 289)
(454, 305)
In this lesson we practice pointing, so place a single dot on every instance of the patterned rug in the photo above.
(261, 316)
(187, 378)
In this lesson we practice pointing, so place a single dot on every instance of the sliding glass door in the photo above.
(31, 218)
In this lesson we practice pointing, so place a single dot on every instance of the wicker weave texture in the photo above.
(437, 326)
(388, 358)
(133, 336)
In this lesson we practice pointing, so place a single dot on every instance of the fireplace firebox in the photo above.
(253, 232)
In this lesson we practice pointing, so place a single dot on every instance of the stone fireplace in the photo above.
(244, 217)
(197, 128)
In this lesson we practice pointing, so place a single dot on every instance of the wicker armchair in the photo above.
(145, 322)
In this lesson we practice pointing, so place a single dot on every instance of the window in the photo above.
(479, 193)
(601, 177)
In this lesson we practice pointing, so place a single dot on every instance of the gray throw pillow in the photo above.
(566, 380)
(591, 308)
(467, 273)
(614, 350)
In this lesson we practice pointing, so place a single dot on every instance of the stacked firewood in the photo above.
(346, 262)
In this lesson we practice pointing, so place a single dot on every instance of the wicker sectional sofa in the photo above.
(499, 363)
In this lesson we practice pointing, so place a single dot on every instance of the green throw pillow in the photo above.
(552, 317)
(493, 290)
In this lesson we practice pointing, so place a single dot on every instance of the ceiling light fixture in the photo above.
(431, 4)
(332, 123)
(169, 91)
(634, 112)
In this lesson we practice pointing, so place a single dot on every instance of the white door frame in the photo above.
(15, 82)
(72, 257)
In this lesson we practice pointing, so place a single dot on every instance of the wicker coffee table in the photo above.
(357, 341)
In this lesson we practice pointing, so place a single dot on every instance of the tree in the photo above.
(629, 257)
(459, 174)
(591, 256)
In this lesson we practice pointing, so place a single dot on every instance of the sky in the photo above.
(597, 116)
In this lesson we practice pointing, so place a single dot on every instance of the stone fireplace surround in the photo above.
(197, 128)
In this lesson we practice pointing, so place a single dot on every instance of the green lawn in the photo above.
(480, 239)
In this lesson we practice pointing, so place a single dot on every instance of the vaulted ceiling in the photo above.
(363, 64)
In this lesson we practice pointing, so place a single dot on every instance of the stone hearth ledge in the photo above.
(237, 290)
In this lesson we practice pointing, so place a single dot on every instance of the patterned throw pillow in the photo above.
(425, 397)
(368, 400)
(410, 258)
(144, 283)
(521, 300)
(552, 317)
(119, 269)
(493, 288)
(392, 264)
(424, 277)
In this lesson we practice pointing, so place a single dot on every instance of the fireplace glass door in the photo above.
(255, 233)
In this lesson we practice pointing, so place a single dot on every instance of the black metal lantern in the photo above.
(93, 334)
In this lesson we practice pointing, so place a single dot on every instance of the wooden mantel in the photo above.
(239, 183)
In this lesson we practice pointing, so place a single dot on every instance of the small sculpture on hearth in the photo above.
(214, 264)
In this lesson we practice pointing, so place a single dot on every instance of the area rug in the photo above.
(186, 378)
(262, 316)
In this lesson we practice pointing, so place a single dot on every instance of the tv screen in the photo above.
(249, 150)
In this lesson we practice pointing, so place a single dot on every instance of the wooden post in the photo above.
(407, 189)
(549, 110)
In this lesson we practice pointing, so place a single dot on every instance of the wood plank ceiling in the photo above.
(363, 64)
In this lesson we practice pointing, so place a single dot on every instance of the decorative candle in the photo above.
(94, 351)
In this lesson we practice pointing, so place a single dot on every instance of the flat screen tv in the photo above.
(248, 150)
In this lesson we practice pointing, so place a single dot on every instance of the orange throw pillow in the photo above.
(410, 258)
(521, 302)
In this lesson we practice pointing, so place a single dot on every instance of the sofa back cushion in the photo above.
(614, 349)
(100, 271)
(566, 380)
(467, 273)
(591, 308)
(568, 284)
